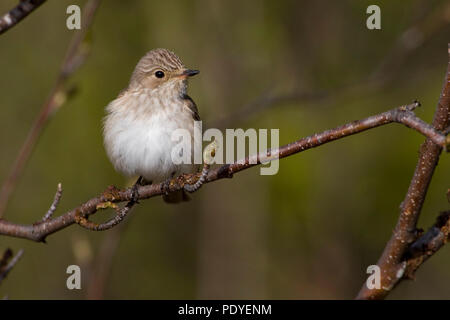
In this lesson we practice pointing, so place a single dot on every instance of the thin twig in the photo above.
(55, 203)
(391, 261)
(427, 244)
(7, 267)
(40, 230)
(83, 221)
(75, 57)
(15, 15)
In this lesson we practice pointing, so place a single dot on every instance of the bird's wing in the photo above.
(192, 106)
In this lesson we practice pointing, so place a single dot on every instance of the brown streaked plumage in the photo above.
(139, 123)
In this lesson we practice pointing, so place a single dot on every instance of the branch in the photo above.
(427, 245)
(55, 203)
(82, 220)
(6, 267)
(392, 259)
(40, 230)
(15, 15)
(75, 56)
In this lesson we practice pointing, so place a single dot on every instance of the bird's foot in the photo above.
(194, 186)
(135, 190)
(166, 186)
(135, 193)
(208, 157)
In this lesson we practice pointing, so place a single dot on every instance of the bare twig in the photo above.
(55, 203)
(427, 244)
(75, 57)
(5, 266)
(5, 258)
(405, 233)
(40, 230)
(15, 15)
(121, 214)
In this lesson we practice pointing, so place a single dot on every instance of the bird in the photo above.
(139, 123)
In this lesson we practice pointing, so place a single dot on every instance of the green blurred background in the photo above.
(308, 232)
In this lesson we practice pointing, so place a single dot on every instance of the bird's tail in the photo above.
(176, 197)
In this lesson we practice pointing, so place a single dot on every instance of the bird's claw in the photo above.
(135, 193)
(166, 186)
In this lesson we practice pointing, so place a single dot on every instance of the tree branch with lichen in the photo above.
(112, 196)
(392, 262)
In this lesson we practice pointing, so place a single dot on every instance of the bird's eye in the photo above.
(159, 74)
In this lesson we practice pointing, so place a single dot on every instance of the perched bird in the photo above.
(139, 123)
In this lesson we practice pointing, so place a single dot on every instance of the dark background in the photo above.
(308, 232)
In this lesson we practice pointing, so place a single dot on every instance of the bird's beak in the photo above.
(189, 73)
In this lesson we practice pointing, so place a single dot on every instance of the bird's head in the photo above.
(161, 69)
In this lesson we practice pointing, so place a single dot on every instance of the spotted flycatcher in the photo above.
(139, 124)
